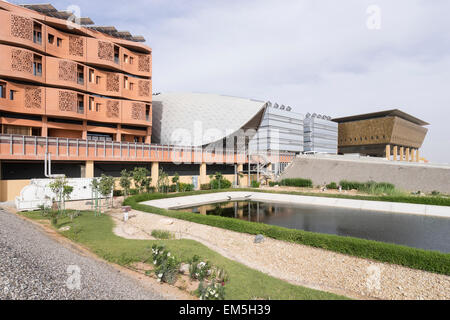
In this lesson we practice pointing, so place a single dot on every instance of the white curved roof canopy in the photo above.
(198, 119)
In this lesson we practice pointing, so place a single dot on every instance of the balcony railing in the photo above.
(16, 147)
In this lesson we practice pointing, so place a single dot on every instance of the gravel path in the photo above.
(35, 266)
(298, 264)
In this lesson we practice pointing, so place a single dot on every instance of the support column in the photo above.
(417, 155)
(44, 131)
(203, 177)
(413, 154)
(240, 169)
(395, 153)
(402, 153)
(155, 173)
(407, 155)
(388, 152)
(90, 169)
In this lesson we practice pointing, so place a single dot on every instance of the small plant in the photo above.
(435, 193)
(256, 184)
(125, 182)
(166, 265)
(162, 234)
(332, 186)
(303, 183)
(141, 178)
(176, 181)
(62, 190)
(45, 210)
(163, 182)
(212, 291)
(106, 186)
(199, 270)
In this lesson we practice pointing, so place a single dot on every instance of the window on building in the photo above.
(59, 42)
(91, 75)
(125, 82)
(97, 80)
(116, 54)
(37, 65)
(131, 86)
(2, 90)
(80, 74)
(125, 58)
(80, 104)
(51, 38)
(131, 60)
(147, 112)
(37, 33)
(97, 107)
(11, 94)
(91, 103)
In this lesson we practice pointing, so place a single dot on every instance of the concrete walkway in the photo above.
(300, 265)
(391, 207)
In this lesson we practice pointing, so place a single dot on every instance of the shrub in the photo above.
(162, 234)
(332, 185)
(435, 193)
(212, 291)
(186, 187)
(141, 178)
(134, 192)
(205, 186)
(256, 184)
(166, 265)
(273, 183)
(199, 270)
(220, 184)
(298, 182)
(370, 187)
(125, 181)
(117, 193)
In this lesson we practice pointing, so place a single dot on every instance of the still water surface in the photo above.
(431, 233)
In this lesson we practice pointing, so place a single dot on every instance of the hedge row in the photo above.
(431, 261)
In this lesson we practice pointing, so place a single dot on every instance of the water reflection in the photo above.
(424, 232)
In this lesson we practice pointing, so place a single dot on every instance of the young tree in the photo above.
(141, 178)
(163, 181)
(125, 182)
(176, 181)
(62, 190)
(106, 186)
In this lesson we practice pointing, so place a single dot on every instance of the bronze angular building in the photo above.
(393, 134)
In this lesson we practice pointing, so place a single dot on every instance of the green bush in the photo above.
(431, 261)
(332, 185)
(166, 265)
(273, 184)
(220, 184)
(134, 192)
(256, 184)
(118, 193)
(370, 187)
(199, 270)
(298, 182)
(206, 186)
(162, 234)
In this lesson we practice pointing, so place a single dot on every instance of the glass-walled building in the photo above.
(320, 134)
(281, 130)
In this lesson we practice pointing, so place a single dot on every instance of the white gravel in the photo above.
(298, 264)
(34, 266)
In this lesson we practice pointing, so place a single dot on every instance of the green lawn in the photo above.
(431, 261)
(96, 234)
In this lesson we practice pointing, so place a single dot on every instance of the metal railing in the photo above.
(35, 148)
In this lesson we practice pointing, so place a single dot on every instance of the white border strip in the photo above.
(389, 207)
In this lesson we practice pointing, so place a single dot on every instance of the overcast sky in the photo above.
(315, 55)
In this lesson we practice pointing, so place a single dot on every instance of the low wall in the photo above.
(405, 176)
(9, 189)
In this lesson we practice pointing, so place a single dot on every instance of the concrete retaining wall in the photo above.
(405, 176)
